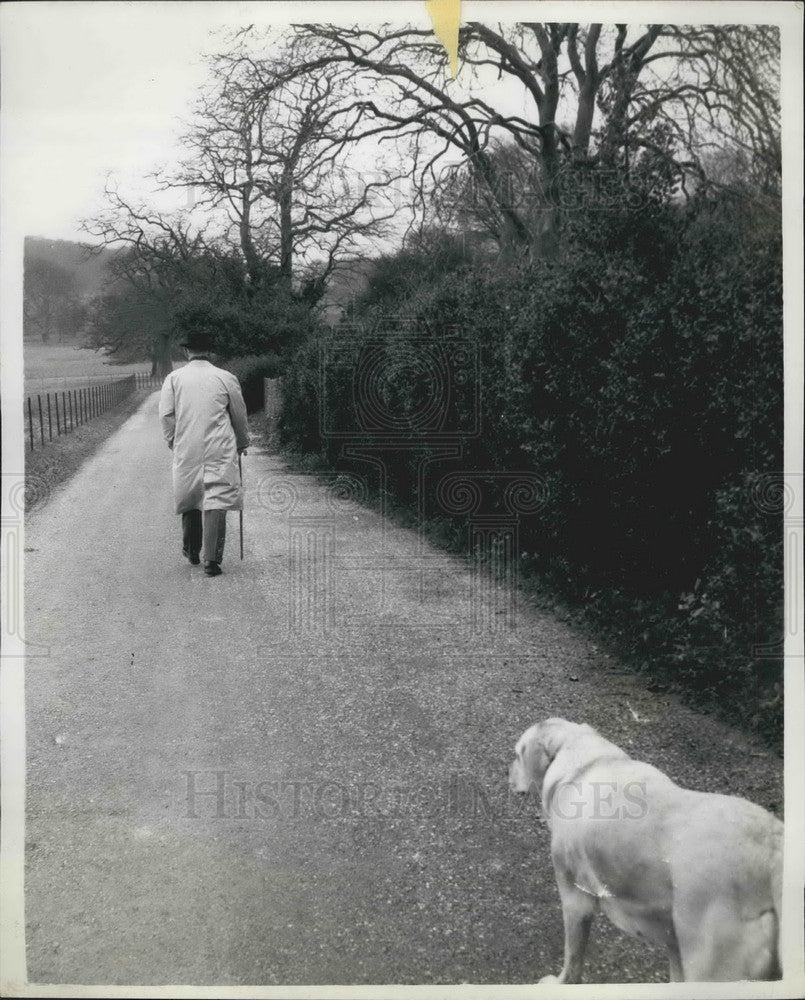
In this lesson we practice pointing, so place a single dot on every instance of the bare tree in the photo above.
(130, 324)
(51, 304)
(268, 152)
(277, 205)
(595, 95)
(727, 79)
(158, 259)
(280, 151)
(183, 276)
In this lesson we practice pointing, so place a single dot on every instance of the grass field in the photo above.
(50, 367)
(54, 464)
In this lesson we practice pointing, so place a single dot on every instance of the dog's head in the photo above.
(534, 753)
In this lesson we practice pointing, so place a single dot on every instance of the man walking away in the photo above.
(203, 419)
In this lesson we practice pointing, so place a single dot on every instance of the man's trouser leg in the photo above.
(214, 535)
(191, 533)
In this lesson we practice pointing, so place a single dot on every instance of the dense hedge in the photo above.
(251, 370)
(638, 374)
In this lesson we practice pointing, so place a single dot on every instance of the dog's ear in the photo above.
(538, 748)
(535, 751)
(553, 734)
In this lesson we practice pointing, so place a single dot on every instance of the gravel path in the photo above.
(295, 772)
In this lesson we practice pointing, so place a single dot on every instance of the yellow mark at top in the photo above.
(446, 15)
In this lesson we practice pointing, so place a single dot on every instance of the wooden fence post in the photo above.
(78, 406)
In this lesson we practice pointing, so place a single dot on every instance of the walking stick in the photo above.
(240, 470)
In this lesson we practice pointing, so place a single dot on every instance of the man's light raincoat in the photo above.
(204, 421)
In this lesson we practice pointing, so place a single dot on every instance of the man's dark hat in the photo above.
(197, 341)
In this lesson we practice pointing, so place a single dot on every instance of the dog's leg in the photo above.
(720, 946)
(676, 973)
(578, 910)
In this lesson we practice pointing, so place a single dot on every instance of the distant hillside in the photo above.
(90, 273)
(60, 280)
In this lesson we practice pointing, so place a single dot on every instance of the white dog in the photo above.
(695, 873)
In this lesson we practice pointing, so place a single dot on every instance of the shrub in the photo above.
(251, 370)
(639, 373)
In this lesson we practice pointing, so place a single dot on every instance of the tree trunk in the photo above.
(624, 77)
(515, 237)
(547, 237)
(161, 357)
(250, 255)
(286, 229)
(584, 119)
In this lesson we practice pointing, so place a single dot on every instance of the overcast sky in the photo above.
(96, 87)
(93, 88)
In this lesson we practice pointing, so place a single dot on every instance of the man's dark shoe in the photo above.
(192, 556)
(212, 568)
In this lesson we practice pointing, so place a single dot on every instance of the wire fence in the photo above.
(55, 383)
(52, 414)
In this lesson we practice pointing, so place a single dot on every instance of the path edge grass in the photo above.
(54, 465)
